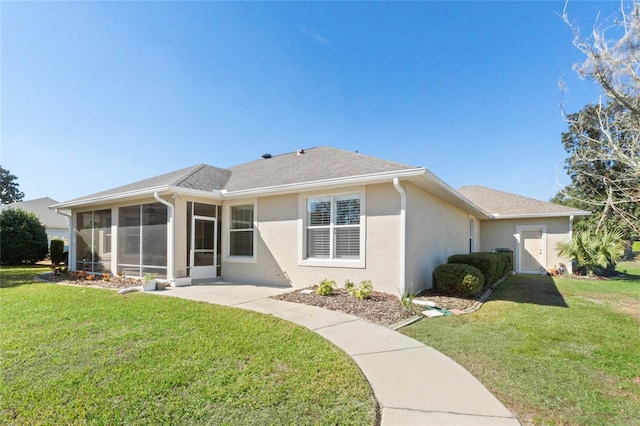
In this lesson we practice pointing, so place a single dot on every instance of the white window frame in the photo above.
(227, 232)
(303, 260)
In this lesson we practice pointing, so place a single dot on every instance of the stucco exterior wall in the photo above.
(435, 230)
(279, 225)
(504, 233)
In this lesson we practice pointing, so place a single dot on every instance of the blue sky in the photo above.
(100, 94)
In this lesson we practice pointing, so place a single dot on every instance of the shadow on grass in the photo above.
(532, 289)
(13, 276)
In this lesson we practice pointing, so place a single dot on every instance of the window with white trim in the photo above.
(241, 231)
(333, 227)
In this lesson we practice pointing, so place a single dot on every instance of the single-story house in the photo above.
(56, 226)
(297, 218)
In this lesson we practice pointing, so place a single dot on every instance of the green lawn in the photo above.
(554, 351)
(73, 355)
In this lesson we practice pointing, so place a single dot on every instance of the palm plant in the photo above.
(593, 251)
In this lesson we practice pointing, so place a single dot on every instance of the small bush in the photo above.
(363, 291)
(325, 288)
(56, 251)
(459, 279)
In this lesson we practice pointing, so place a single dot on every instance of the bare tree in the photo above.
(604, 142)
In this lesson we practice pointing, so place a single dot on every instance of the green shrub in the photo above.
(325, 288)
(459, 279)
(594, 252)
(23, 239)
(363, 291)
(56, 251)
(493, 266)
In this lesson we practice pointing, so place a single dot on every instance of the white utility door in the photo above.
(202, 254)
(531, 251)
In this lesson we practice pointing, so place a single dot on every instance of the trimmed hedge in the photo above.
(493, 266)
(56, 251)
(458, 279)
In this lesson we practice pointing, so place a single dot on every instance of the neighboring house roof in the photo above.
(506, 205)
(40, 207)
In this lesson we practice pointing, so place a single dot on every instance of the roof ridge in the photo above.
(189, 172)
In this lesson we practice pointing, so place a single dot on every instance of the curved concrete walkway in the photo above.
(413, 383)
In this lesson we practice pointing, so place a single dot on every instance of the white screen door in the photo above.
(203, 249)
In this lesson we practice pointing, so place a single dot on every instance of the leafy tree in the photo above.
(23, 239)
(603, 140)
(9, 192)
(597, 184)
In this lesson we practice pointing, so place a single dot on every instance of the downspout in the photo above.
(170, 237)
(403, 229)
(71, 234)
(571, 227)
(570, 264)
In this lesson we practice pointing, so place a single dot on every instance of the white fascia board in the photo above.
(214, 195)
(368, 179)
(535, 215)
(122, 196)
(451, 195)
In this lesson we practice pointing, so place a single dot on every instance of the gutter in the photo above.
(170, 237)
(100, 199)
(403, 237)
(536, 215)
(334, 182)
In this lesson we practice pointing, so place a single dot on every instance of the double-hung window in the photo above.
(241, 231)
(333, 227)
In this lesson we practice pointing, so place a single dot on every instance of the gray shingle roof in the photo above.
(201, 176)
(40, 207)
(502, 203)
(313, 165)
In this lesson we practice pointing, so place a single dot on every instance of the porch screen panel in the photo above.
(93, 241)
(129, 240)
(102, 240)
(154, 235)
(84, 234)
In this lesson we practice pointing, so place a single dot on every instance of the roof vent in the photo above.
(266, 156)
(300, 151)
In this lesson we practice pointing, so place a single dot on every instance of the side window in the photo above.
(241, 231)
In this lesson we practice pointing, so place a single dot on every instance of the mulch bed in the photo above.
(380, 308)
(82, 279)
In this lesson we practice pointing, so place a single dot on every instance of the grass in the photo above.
(73, 355)
(554, 351)
(631, 268)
